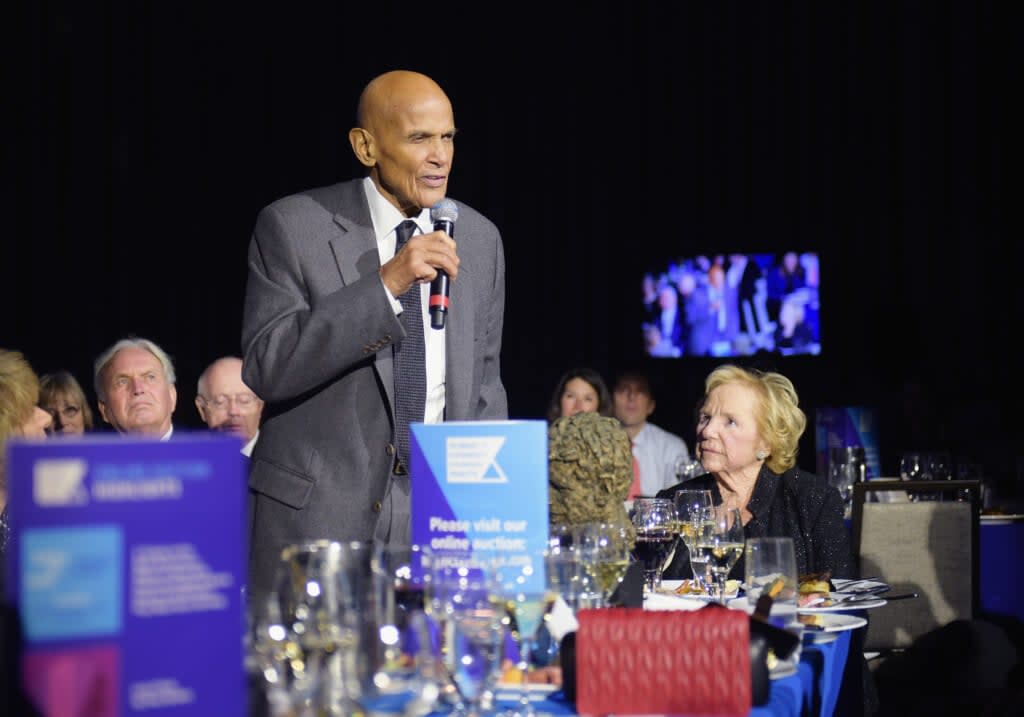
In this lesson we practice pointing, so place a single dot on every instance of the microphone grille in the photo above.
(444, 210)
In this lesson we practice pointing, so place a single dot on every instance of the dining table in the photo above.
(812, 689)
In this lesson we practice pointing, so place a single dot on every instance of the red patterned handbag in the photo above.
(631, 661)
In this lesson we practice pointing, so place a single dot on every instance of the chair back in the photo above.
(928, 546)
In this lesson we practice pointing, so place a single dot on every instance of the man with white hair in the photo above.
(225, 403)
(134, 382)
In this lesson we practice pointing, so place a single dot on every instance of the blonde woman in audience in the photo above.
(62, 397)
(20, 416)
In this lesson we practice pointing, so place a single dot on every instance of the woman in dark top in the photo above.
(748, 432)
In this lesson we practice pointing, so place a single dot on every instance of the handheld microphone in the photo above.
(443, 214)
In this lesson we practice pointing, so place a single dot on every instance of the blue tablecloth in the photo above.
(1002, 571)
(813, 690)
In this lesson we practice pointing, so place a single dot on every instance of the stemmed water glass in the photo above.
(523, 587)
(604, 552)
(654, 520)
(692, 508)
(463, 596)
(722, 544)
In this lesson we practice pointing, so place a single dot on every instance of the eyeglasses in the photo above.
(68, 413)
(244, 401)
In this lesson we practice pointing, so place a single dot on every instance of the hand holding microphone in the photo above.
(443, 214)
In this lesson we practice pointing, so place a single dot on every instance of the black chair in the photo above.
(926, 545)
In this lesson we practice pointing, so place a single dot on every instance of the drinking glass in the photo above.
(324, 608)
(692, 508)
(654, 520)
(523, 587)
(687, 468)
(565, 574)
(604, 554)
(723, 545)
(912, 467)
(770, 563)
(409, 641)
(940, 467)
(462, 593)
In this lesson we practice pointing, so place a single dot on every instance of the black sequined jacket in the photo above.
(797, 504)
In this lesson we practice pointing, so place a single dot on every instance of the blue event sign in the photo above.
(481, 486)
(126, 564)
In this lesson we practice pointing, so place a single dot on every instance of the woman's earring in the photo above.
(761, 455)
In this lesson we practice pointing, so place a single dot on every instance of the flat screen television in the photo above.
(727, 305)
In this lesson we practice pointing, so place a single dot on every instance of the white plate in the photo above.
(508, 691)
(664, 601)
(860, 604)
(784, 671)
(1001, 519)
(669, 587)
(741, 603)
(837, 622)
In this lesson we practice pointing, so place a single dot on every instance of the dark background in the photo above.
(145, 136)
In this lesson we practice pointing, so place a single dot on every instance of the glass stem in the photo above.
(525, 650)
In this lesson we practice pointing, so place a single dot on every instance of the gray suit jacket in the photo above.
(317, 337)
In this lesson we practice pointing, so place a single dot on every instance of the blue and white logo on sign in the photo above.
(59, 481)
(474, 459)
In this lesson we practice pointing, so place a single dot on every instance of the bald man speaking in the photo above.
(336, 332)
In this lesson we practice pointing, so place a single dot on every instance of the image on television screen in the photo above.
(723, 305)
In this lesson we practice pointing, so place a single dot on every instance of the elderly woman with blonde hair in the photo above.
(748, 430)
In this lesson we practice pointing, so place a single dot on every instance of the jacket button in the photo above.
(390, 450)
(376, 506)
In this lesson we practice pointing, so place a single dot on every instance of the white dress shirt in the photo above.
(656, 451)
(385, 220)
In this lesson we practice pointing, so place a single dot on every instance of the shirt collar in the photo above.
(385, 216)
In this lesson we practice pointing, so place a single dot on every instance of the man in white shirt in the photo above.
(656, 450)
(225, 403)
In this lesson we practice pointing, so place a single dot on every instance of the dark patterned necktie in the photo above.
(410, 360)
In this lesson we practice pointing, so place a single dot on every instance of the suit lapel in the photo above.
(354, 242)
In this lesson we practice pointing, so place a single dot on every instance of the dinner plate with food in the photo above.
(819, 593)
(816, 624)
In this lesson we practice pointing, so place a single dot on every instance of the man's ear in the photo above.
(202, 411)
(363, 146)
(103, 411)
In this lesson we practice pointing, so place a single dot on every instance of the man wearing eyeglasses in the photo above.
(225, 403)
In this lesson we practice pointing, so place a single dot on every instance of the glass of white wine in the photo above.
(604, 553)
(723, 545)
(692, 509)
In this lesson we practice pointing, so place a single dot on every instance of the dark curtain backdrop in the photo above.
(147, 135)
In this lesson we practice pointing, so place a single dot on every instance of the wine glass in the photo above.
(323, 605)
(912, 467)
(523, 587)
(654, 520)
(462, 593)
(409, 640)
(686, 468)
(723, 544)
(692, 508)
(604, 553)
(565, 573)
